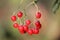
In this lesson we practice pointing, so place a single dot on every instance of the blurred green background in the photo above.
(50, 19)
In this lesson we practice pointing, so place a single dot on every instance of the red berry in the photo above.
(13, 18)
(30, 32)
(21, 29)
(25, 28)
(35, 31)
(20, 14)
(15, 25)
(38, 15)
(28, 22)
(38, 25)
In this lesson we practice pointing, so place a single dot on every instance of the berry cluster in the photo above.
(25, 28)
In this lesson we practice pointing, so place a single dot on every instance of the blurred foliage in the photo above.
(56, 6)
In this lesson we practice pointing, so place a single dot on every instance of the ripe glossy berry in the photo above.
(20, 14)
(36, 31)
(28, 22)
(13, 18)
(21, 29)
(30, 31)
(38, 25)
(25, 28)
(38, 15)
(15, 25)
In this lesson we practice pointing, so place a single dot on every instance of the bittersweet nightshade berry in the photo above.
(35, 31)
(30, 31)
(21, 29)
(38, 24)
(13, 18)
(38, 15)
(15, 25)
(20, 14)
(28, 22)
(25, 28)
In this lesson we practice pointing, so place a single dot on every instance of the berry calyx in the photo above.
(38, 25)
(28, 22)
(15, 25)
(38, 15)
(20, 14)
(13, 18)
(25, 28)
(30, 31)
